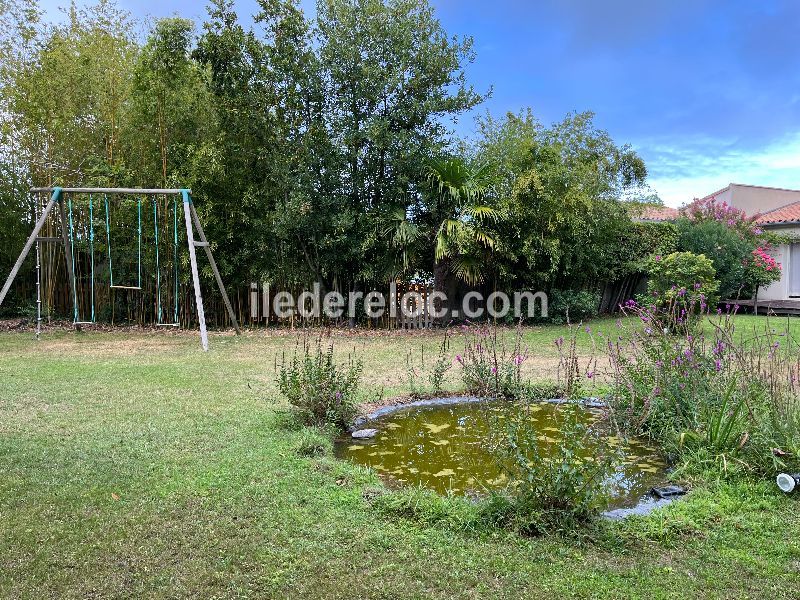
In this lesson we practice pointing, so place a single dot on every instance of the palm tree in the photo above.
(459, 217)
(403, 236)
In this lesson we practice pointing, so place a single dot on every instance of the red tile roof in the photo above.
(785, 214)
(657, 213)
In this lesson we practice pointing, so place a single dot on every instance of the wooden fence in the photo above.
(261, 308)
(252, 304)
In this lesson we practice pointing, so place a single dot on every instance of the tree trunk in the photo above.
(441, 270)
(441, 275)
(755, 302)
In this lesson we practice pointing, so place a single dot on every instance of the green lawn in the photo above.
(136, 465)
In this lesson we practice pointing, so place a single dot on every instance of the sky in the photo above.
(707, 92)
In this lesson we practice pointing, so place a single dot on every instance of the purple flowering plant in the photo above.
(491, 366)
(321, 390)
(713, 395)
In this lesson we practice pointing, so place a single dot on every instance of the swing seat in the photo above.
(125, 287)
(168, 325)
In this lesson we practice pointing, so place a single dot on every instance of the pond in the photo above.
(449, 447)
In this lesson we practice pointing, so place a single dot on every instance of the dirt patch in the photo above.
(29, 325)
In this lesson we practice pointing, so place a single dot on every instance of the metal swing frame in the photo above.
(192, 222)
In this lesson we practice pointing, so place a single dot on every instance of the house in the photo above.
(778, 210)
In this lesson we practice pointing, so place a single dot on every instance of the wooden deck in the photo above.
(771, 307)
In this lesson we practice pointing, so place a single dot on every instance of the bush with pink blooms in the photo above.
(762, 269)
(711, 209)
(738, 247)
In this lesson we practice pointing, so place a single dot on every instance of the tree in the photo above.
(65, 91)
(760, 270)
(505, 147)
(172, 115)
(18, 24)
(268, 204)
(235, 216)
(323, 130)
(730, 238)
(455, 212)
(393, 78)
(563, 216)
(318, 231)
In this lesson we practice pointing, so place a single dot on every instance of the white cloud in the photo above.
(681, 170)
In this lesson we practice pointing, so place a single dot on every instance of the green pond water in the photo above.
(451, 448)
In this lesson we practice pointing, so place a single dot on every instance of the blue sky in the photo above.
(708, 92)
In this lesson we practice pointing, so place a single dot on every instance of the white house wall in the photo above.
(780, 289)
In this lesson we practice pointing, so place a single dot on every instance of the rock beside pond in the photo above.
(669, 491)
(594, 403)
(365, 434)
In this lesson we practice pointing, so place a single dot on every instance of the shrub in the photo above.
(682, 276)
(738, 245)
(761, 269)
(713, 210)
(728, 248)
(573, 306)
(556, 491)
(323, 392)
(684, 283)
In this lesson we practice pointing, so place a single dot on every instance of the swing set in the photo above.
(70, 237)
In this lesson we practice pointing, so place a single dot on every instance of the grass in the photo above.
(135, 465)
